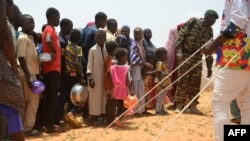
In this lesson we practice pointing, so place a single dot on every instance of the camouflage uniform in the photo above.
(190, 38)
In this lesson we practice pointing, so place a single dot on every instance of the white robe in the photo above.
(97, 98)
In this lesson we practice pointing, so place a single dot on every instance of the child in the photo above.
(51, 70)
(73, 71)
(27, 56)
(122, 82)
(95, 73)
(161, 72)
(108, 85)
(149, 82)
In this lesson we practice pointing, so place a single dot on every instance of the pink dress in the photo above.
(119, 76)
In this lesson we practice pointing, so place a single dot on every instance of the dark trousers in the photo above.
(120, 107)
(66, 85)
(52, 80)
(110, 110)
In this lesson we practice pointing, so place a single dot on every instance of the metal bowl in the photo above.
(79, 95)
(45, 57)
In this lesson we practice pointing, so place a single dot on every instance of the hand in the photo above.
(208, 48)
(147, 65)
(209, 73)
(91, 83)
(30, 82)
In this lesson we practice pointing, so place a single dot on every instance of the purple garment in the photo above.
(13, 119)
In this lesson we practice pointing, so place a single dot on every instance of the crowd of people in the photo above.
(111, 65)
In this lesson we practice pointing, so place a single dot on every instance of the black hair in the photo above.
(75, 35)
(65, 22)
(149, 56)
(101, 31)
(111, 21)
(120, 52)
(9, 2)
(43, 27)
(24, 17)
(100, 16)
(111, 46)
(159, 51)
(51, 12)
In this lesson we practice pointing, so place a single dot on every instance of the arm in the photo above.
(49, 42)
(129, 83)
(238, 21)
(209, 62)
(90, 68)
(6, 37)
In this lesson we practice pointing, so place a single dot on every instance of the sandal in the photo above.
(72, 120)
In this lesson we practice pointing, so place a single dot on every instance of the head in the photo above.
(43, 27)
(53, 16)
(150, 58)
(9, 8)
(90, 23)
(112, 25)
(100, 37)
(138, 34)
(122, 41)
(110, 47)
(74, 36)
(161, 54)
(27, 23)
(121, 55)
(147, 34)
(66, 26)
(125, 30)
(101, 20)
(210, 17)
(16, 17)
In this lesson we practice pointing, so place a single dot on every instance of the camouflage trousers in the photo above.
(189, 84)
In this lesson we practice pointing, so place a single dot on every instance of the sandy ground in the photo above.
(172, 127)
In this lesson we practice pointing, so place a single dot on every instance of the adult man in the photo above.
(191, 37)
(232, 80)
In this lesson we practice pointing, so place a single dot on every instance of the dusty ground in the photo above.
(183, 127)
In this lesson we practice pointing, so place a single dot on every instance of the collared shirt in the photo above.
(110, 36)
(235, 21)
(26, 48)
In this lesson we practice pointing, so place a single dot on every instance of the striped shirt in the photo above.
(73, 57)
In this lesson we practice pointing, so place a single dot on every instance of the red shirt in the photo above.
(55, 64)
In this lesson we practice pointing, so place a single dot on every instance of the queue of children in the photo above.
(110, 68)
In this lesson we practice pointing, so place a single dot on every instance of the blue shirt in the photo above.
(88, 40)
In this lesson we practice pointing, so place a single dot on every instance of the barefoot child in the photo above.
(122, 81)
(108, 84)
(161, 72)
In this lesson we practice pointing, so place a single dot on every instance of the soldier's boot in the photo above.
(179, 107)
(194, 109)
